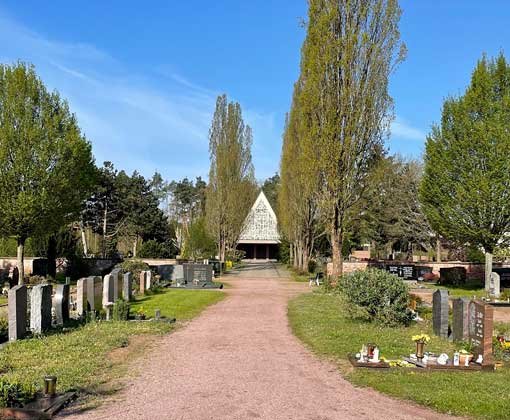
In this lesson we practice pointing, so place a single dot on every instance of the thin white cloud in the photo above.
(403, 130)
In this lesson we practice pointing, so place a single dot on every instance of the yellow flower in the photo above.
(421, 338)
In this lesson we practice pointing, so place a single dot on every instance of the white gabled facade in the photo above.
(261, 225)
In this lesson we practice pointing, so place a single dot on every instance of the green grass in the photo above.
(470, 289)
(322, 322)
(79, 357)
(298, 276)
(180, 304)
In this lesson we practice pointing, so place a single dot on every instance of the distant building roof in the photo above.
(261, 225)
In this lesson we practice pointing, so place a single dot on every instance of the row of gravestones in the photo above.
(92, 294)
(472, 321)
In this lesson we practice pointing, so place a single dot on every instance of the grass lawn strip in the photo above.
(80, 357)
(322, 322)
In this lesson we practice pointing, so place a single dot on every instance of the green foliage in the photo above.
(46, 164)
(271, 188)
(133, 266)
(155, 249)
(452, 276)
(383, 296)
(199, 244)
(232, 188)
(120, 310)
(465, 190)
(4, 329)
(15, 394)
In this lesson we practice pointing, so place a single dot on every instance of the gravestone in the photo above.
(440, 313)
(198, 274)
(40, 308)
(61, 304)
(481, 321)
(117, 284)
(94, 293)
(81, 296)
(142, 280)
(127, 287)
(108, 282)
(17, 312)
(460, 322)
(494, 285)
(13, 276)
(171, 272)
(148, 280)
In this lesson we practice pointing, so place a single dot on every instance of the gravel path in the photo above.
(239, 360)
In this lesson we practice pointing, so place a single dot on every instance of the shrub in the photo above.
(120, 310)
(383, 296)
(4, 329)
(15, 394)
(312, 266)
(452, 276)
(155, 249)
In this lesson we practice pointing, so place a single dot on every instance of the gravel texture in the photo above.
(239, 360)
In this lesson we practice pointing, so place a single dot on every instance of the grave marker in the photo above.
(148, 280)
(481, 320)
(460, 322)
(94, 293)
(494, 285)
(40, 308)
(127, 287)
(108, 290)
(440, 313)
(17, 312)
(61, 304)
(81, 296)
(117, 283)
(142, 282)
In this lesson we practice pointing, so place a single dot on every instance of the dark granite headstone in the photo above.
(198, 274)
(440, 313)
(127, 287)
(40, 308)
(117, 283)
(460, 322)
(13, 276)
(481, 321)
(61, 304)
(17, 312)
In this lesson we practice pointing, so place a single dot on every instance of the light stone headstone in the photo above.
(460, 321)
(494, 286)
(143, 276)
(94, 293)
(108, 282)
(148, 280)
(61, 304)
(40, 308)
(17, 312)
(81, 296)
(117, 284)
(127, 287)
(440, 313)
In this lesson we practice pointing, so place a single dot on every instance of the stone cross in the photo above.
(460, 322)
(81, 296)
(143, 275)
(440, 313)
(117, 283)
(40, 308)
(17, 312)
(94, 293)
(108, 284)
(61, 304)
(127, 287)
(494, 286)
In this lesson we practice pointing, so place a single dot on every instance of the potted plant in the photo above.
(420, 340)
(140, 314)
(465, 352)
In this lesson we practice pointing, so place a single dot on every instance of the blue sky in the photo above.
(143, 79)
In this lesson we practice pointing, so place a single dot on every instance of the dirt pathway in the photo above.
(239, 360)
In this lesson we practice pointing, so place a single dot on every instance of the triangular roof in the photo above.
(261, 224)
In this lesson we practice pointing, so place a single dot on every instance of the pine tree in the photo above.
(232, 188)
(466, 187)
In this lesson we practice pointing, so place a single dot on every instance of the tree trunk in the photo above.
(21, 260)
(291, 254)
(84, 242)
(296, 257)
(438, 250)
(51, 256)
(104, 230)
(305, 259)
(488, 270)
(336, 244)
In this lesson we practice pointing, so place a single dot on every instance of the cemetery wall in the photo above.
(159, 261)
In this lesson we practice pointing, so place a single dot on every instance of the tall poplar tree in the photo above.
(350, 50)
(232, 188)
(46, 165)
(466, 187)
